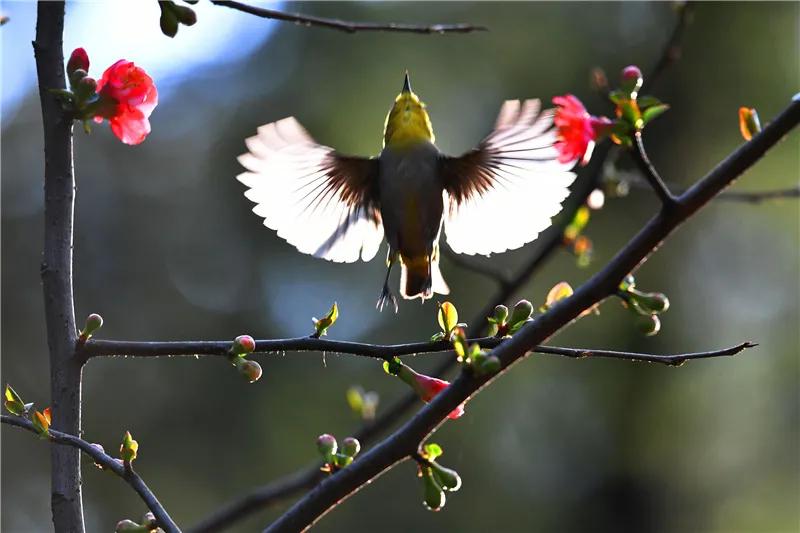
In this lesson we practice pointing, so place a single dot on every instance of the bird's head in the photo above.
(407, 123)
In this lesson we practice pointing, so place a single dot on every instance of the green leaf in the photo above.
(13, 403)
(652, 112)
(617, 97)
(41, 422)
(129, 448)
(321, 325)
(432, 451)
(393, 366)
(355, 399)
(648, 101)
(448, 317)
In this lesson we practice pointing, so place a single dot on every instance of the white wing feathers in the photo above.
(505, 192)
(317, 200)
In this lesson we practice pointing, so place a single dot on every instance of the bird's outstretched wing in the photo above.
(504, 192)
(322, 202)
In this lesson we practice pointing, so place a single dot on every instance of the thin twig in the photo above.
(405, 441)
(672, 49)
(375, 351)
(747, 197)
(56, 267)
(96, 348)
(347, 26)
(108, 463)
(650, 173)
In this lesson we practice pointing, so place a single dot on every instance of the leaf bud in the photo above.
(446, 478)
(434, 498)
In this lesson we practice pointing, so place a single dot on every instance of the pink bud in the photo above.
(631, 72)
(631, 80)
(243, 344)
(78, 60)
(251, 370)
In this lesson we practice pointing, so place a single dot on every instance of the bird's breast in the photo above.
(411, 198)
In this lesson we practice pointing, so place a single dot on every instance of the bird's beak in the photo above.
(406, 84)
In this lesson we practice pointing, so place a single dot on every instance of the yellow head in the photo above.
(407, 123)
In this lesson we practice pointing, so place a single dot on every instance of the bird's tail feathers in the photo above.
(420, 278)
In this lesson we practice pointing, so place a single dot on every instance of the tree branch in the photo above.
(107, 462)
(405, 441)
(97, 348)
(56, 268)
(376, 351)
(547, 243)
(347, 26)
(749, 197)
(650, 173)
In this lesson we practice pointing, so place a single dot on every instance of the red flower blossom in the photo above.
(576, 129)
(127, 98)
(428, 387)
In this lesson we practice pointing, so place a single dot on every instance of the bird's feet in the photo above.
(386, 298)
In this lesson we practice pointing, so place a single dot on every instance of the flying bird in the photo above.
(495, 197)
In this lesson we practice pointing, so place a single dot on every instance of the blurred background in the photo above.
(166, 248)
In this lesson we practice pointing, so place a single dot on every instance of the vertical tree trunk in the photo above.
(56, 269)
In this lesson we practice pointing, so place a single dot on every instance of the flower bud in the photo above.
(129, 526)
(648, 324)
(185, 15)
(446, 478)
(79, 59)
(250, 370)
(76, 76)
(326, 444)
(433, 494)
(168, 20)
(88, 85)
(149, 519)
(243, 344)
(632, 80)
(522, 312)
(351, 447)
(93, 323)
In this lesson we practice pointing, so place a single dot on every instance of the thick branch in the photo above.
(347, 26)
(56, 268)
(405, 441)
(108, 463)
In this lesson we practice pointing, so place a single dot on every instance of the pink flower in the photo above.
(428, 387)
(79, 59)
(127, 98)
(576, 129)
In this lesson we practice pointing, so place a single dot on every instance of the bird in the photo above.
(496, 197)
